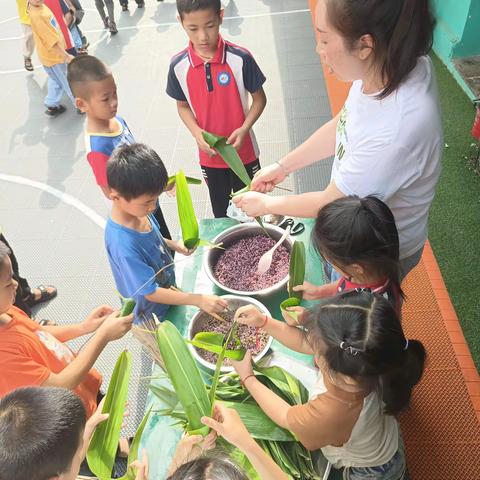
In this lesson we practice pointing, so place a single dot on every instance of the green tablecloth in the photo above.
(160, 437)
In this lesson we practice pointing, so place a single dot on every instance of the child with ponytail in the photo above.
(358, 241)
(367, 370)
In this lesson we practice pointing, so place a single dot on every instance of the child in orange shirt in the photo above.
(31, 354)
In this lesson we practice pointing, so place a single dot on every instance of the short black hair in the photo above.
(4, 251)
(83, 70)
(40, 432)
(188, 6)
(135, 170)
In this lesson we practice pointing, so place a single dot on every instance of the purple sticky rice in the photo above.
(237, 266)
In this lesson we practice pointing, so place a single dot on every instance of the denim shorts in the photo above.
(394, 469)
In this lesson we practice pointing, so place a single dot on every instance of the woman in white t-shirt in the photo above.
(387, 139)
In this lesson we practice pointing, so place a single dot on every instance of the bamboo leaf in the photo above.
(290, 302)
(184, 375)
(297, 269)
(190, 180)
(186, 213)
(229, 155)
(232, 159)
(133, 453)
(168, 397)
(213, 342)
(258, 424)
(104, 443)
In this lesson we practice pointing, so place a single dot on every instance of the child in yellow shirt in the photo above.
(52, 54)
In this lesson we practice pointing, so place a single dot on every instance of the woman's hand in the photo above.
(249, 315)
(266, 178)
(254, 204)
(243, 367)
(228, 424)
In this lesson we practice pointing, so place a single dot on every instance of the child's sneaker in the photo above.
(124, 7)
(55, 111)
(105, 22)
(112, 27)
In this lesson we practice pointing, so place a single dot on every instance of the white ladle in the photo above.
(266, 259)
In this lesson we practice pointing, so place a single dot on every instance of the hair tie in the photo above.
(348, 348)
(406, 344)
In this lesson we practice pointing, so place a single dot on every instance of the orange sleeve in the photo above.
(19, 370)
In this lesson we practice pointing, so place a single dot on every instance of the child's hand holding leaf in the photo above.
(96, 317)
(296, 320)
(243, 367)
(237, 137)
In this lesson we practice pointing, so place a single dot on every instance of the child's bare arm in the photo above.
(188, 118)
(167, 296)
(71, 376)
(259, 100)
(291, 337)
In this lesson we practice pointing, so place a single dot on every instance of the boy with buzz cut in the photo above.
(95, 93)
(44, 435)
(138, 254)
(212, 80)
(52, 54)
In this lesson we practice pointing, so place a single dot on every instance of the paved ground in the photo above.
(51, 210)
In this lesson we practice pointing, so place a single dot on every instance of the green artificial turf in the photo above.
(454, 227)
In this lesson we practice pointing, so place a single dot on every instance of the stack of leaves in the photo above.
(231, 158)
(104, 444)
(189, 399)
(296, 277)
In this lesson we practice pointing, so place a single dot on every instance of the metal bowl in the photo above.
(231, 235)
(234, 303)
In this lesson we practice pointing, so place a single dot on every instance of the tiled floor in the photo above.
(61, 244)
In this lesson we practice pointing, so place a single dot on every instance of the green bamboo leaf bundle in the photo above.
(186, 213)
(185, 377)
(296, 277)
(134, 446)
(103, 446)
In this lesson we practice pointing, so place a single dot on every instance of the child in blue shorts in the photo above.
(138, 254)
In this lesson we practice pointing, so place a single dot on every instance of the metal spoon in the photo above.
(266, 259)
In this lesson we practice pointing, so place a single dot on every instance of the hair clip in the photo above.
(406, 344)
(348, 348)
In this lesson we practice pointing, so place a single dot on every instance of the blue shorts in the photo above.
(394, 469)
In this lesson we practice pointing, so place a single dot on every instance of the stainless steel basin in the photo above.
(234, 303)
(231, 235)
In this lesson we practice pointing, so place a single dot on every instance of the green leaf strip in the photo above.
(103, 446)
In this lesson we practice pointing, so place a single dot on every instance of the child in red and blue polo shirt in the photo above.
(211, 80)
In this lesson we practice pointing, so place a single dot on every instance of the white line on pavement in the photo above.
(62, 196)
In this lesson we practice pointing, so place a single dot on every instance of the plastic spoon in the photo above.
(266, 259)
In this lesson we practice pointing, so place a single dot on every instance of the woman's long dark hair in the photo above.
(359, 230)
(359, 335)
(402, 31)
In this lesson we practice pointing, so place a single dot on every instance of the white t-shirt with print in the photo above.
(392, 149)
